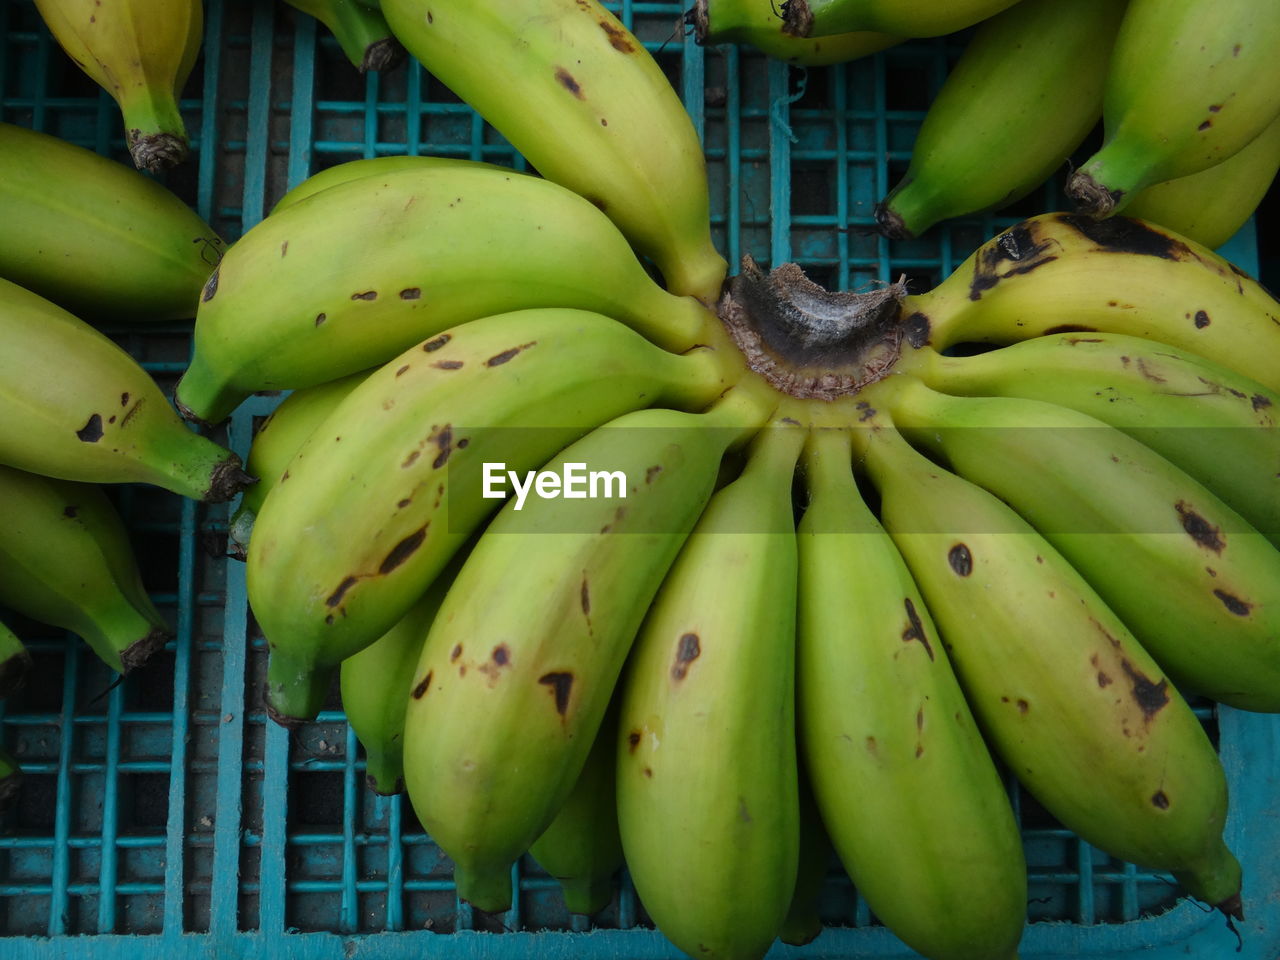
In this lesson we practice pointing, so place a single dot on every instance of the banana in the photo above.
(76, 406)
(1078, 711)
(368, 268)
(1209, 207)
(821, 18)
(65, 559)
(1190, 84)
(15, 661)
(708, 806)
(508, 697)
(141, 52)
(371, 166)
(1216, 425)
(136, 252)
(1198, 587)
(10, 779)
(756, 24)
(274, 445)
(595, 113)
(1023, 95)
(361, 31)
(1062, 273)
(375, 502)
(581, 848)
(906, 787)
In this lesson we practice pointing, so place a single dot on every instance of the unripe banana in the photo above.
(756, 24)
(372, 166)
(15, 661)
(1023, 95)
(360, 30)
(1190, 84)
(1062, 273)
(386, 490)
(368, 268)
(707, 783)
(595, 113)
(76, 406)
(820, 18)
(141, 52)
(1078, 711)
(906, 787)
(65, 559)
(96, 237)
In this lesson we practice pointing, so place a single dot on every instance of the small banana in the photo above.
(106, 420)
(756, 24)
(820, 18)
(141, 52)
(1077, 710)
(360, 30)
(373, 166)
(708, 804)
(15, 661)
(595, 113)
(368, 268)
(66, 560)
(1190, 84)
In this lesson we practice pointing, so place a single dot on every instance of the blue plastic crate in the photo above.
(165, 816)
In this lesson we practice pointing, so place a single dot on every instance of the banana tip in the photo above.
(797, 18)
(286, 721)
(156, 151)
(890, 223)
(1232, 907)
(696, 17)
(372, 782)
(140, 651)
(384, 54)
(227, 480)
(1092, 197)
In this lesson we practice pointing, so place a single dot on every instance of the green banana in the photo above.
(298, 301)
(508, 697)
(141, 52)
(76, 406)
(360, 30)
(581, 847)
(15, 661)
(10, 779)
(1078, 711)
(1212, 205)
(374, 504)
(1215, 424)
(820, 18)
(1062, 273)
(708, 806)
(1206, 603)
(66, 560)
(595, 113)
(756, 24)
(138, 253)
(373, 166)
(1023, 95)
(1190, 85)
(904, 782)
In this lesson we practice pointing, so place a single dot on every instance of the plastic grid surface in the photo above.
(168, 806)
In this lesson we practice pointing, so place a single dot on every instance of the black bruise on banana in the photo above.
(1202, 319)
(403, 550)
(1159, 799)
(560, 683)
(431, 346)
(1259, 402)
(443, 439)
(1150, 697)
(1233, 603)
(1123, 235)
(1199, 529)
(498, 359)
(633, 741)
(1018, 245)
(566, 80)
(687, 651)
(916, 329)
(366, 295)
(423, 685)
(915, 629)
(335, 598)
(92, 431)
(960, 559)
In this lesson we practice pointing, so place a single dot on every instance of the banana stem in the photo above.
(295, 689)
(486, 887)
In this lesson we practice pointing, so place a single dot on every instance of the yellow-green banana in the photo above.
(96, 237)
(906, 787)
(374, 504)
(360, 30)
(1218, 426)
(76, 406)
(756, 24)
(371, 166)
(368, 268)
(820, 18)
(707, 783)
(595, 113)
(15, 660)
(1063, 273)
(141, 52)
(66, 560)
(508, 696)
(1194, 582)
(1023, 95)
(1078, 711)
(1190, 84)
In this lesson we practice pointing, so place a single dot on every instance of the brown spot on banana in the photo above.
(403, 550)
(422, 686)
(366, 295)
(320, 318)
(443, 439)
(1159, 799)
(633, 741)
(688, 649)
(1240, 608)
(500, 358)
(434, 344)
(1199, 529)
(585, 597)
(210, 286)
(335, 598)
(411, 293)
(1202, 319)
(501, 655)
(566, 80)
(1150, 697)
(448, 364)
(960, 559)
(619, 38)
(91, 432)
(561, 684)
(915, 628)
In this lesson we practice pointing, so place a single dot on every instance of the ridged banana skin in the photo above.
(66, 560)
(509, 696)
(756, 24)
(905, 784)
(141, 52)
(1063, 273)
(1078, 711)
(386, 490)
(361, 31)
(820, 18)
(708, 802)
(77, 407)
(595, 113)
(15, 661)
(1211, 206)
(368, 268)
(138, 253)
(373, 166)
(1190, 85)
(1213, 423)
(1023, 95)
(1194, 582)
